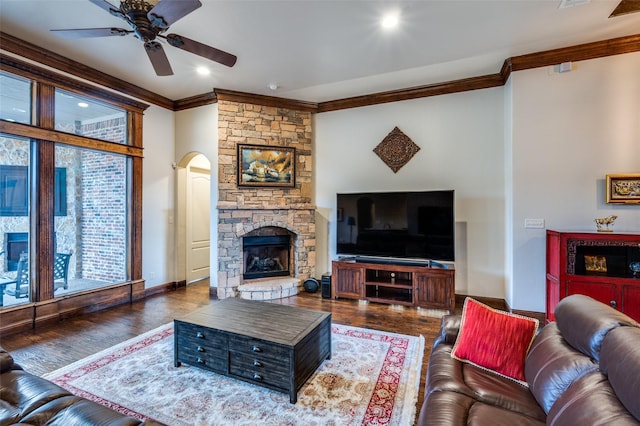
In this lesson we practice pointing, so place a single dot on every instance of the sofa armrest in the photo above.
(449, 328)
(6, 361)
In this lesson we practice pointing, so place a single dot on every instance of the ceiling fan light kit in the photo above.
(148, 22)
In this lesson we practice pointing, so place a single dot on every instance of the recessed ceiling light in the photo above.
(390, 20)
(83, 105)
(570, 3)
(273, 86)
(203, 71)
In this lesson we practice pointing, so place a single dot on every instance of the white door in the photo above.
(198, 224)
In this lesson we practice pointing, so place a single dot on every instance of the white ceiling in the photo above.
(322, 50)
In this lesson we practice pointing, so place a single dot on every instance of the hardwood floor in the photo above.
(52, 347)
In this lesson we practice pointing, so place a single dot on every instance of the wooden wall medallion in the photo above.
(396, 149)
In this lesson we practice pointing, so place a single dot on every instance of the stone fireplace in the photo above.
(236, 223)
(264, 233)
(15, 244)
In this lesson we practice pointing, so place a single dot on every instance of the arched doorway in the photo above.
(193, 211)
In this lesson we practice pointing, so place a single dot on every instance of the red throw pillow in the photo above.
(494, 340)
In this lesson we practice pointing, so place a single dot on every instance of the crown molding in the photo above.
(272, 101)
(42, 56)
(195, 101)
(455, 86)
(581, 52)
(25, 69)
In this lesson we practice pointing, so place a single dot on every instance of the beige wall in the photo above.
(569, 130)
(461, 141)
(539, 147)
(509, 152)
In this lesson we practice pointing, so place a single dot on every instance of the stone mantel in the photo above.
(234, 206)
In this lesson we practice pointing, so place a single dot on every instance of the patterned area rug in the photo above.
(372, 378)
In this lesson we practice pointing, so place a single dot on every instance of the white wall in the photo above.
(197, 131)
(569, 131)
(158, 255)
(461, 139)
(539, 147)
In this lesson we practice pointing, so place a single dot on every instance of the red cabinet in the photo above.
(595, 264)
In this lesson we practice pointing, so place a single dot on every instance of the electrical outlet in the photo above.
(534, 223)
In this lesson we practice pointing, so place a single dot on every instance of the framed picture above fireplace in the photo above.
(263, 165)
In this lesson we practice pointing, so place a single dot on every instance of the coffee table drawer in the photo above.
(259, 369)
(215, 363)
(259, 347)
(200, 346)
(200, 335)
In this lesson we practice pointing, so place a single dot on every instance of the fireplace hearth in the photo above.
(266, 256)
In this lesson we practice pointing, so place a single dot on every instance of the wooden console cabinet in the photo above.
(595, 264)
(430, 287)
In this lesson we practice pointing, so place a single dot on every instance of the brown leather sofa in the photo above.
(28, 399)
(583, 369)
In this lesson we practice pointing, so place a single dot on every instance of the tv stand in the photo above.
(427, 285)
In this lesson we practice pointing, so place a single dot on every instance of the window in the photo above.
(57, 169)
(14, 228)
(95, 231)
(87, 117)
(15, 99)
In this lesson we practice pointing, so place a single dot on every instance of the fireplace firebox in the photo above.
(266, 256)
(15, 244)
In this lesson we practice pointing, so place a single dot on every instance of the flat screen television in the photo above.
(414, 225)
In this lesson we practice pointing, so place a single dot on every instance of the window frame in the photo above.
(44, 138)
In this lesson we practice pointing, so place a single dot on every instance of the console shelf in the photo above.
(409, 285)
(595, 264)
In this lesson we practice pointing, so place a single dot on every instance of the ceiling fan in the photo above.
(149, 22)
(625, 7)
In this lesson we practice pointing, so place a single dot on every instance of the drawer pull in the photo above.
(257, 376)
(201, 361)
(200, 349)
(200, 335)
(257, 363)
(256, 349)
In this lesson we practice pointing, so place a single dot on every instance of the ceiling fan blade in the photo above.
(625, 7)
(200, 49)
(158, 58)
(167, 12)
(104, 4)
(91, 32)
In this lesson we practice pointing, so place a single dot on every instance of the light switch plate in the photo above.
(534, 223)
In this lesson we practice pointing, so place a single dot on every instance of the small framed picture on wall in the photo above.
(623, 188)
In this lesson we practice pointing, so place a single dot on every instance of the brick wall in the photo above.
(243, 210)
(104, 218)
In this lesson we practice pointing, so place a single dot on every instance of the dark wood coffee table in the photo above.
(271, 345)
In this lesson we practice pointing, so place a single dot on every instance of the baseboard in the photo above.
(490, 301)
(540, 316)
(499, 304)
(162, 288)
